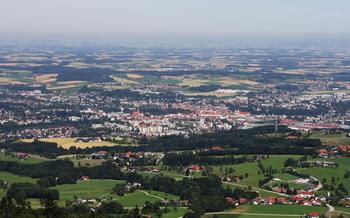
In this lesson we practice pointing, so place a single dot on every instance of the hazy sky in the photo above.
(206, 18)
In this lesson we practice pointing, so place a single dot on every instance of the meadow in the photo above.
(28, 160)
(332, 139)
(328, 173)
(275, 161)
(103, 189)
(262, 211)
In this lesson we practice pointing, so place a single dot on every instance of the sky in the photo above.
(174, 19)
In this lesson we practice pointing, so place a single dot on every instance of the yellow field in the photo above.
(69, 142)
(46, 78)
(12, 81)
(124, 81)
(217, 94)
(134, 76)
(231, 81)
(65, 85)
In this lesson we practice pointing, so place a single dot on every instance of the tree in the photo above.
(112, 207)
(290, 162)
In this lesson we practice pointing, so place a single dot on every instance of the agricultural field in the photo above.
(29, 160)
(275, 161)
(103, 188)
(86, 189)
(175, 213)
(281, 211)
(332, 139)
(11, 178)
(139, 197)
(69, 142)
(328, 173)
(80, 161)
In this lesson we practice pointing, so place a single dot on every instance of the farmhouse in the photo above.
(22, 155)
(313, 215)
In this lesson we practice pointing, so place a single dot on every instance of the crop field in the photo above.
(134, 76)
(46, 78)
(332, 139)
(328, 173)
(65, 85)
(69, 142)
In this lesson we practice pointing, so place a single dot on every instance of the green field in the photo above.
(103, 188)
(328, 173)
(87, 189)
(275, 161)
(29, 160)
(11, 178)
(258, 211)
(332, 139)
(179, 212)
(139, 197)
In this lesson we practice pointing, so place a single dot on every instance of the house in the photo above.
(99, 155)
(22, 155)
(282, 201)
(84, 178)
(313, 215)
(322, 153)
(217, 148)
(297, 198)
(271, 200)
(194, 167)
(305, 194)
(242, 200)
(230, 201)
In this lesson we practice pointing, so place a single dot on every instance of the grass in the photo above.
(138, 198)
(94, 188)
(264, 211)
(12, 178)
(69, 142)
(328, 173)
(332, 139)
(29, 160)
(275, 161)
(102, 188)
(179, 212)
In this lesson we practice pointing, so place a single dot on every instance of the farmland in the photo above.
(28, 160)
(103, 189)
(69, 142)
(328, 173)
(282, 211)
(86, 189)
(332, 139)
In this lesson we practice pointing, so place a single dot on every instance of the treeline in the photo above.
(205, 194)
(10, 208)
(19, 191)
(187, 158)
(51, 173)
(253, 141)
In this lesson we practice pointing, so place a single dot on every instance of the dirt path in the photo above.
(148, 194)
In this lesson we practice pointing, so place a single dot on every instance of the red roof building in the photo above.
(313, 215)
